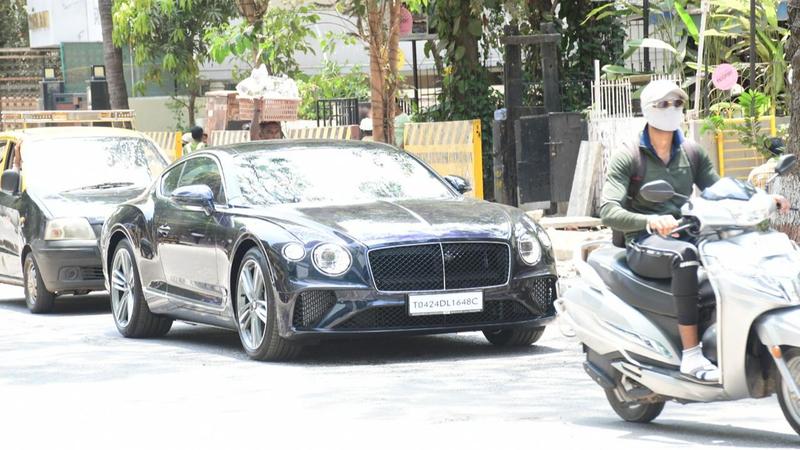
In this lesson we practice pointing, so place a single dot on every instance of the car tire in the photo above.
(38, 299)
(256, 311)
(129, 309)
(514, 337)
(633, 411)
(790, 404)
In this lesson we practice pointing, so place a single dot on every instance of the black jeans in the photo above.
(653, 256)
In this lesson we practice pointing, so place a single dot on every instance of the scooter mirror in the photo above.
(785, 164)
(658, 191)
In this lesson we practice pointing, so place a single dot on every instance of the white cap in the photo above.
(186, 138)
(366, 124)
(659, 90)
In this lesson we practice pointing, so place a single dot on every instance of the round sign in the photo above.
(724, 77)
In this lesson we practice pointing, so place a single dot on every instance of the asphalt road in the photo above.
(69, 380)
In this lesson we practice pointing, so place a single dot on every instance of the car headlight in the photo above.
(331, 259)
(293, 251)
(544, 238)
(68, 228)
(529, 248)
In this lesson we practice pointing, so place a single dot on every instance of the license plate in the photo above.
(450, 303)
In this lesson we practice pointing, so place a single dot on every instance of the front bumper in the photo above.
(67, 266)
(319, 314)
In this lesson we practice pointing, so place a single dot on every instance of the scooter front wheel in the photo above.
(790, 403)
(633, 411)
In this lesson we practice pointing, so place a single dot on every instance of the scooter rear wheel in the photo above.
(790, 403)
(633, 411)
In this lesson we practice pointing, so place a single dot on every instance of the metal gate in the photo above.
(547, 152)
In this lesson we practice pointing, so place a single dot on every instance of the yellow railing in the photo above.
(736, 160)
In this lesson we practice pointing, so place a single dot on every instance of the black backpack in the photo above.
(689, 146)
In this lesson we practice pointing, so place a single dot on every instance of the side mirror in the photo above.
(198, 195)
(459, 184)
(658, 191)
(9, 181)
(784, 165)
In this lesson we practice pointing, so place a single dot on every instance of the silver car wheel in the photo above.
(31, 283)
(251, 305)
(792, 400)
(122, 285)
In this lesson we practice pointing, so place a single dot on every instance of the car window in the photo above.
(203, 171)
(170, 180)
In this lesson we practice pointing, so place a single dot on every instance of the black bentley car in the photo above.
(289, 242)
(58, 186)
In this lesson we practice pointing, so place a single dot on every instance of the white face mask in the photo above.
(666, 119)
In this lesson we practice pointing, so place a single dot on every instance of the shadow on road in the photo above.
(697, 433)
(366, 351)
(67, 305)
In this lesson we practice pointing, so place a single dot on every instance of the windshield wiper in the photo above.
(109, 185)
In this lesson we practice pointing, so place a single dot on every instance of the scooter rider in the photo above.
(661, 152)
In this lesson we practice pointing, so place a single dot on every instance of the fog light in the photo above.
(69, 274)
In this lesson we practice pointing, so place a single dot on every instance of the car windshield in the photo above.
(89, 163)
(333, 175)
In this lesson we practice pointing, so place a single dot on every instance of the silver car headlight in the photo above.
(331, 259)
(68, 228)
(529, 249)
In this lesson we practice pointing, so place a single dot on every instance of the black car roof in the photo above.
(288, 144)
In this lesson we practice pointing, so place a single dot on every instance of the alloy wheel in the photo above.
(122, 285)
(31, 283)
(251, 304)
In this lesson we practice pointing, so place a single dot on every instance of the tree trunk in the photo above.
(112, 55)
(789, 186)
(190, 107)
(384, 42)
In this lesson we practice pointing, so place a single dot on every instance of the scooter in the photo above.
(749, 309)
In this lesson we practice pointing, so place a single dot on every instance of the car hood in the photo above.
(385, 222)
(94, 205)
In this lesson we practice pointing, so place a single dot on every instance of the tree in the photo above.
(273, 41)
(14, 31)
(171, 33)
(377, 24)
(789, 185)
(112, 55)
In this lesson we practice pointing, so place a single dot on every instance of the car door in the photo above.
(10, 223)
(185, 239)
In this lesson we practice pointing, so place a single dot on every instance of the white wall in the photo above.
(68, 21)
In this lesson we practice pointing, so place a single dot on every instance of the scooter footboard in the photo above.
(780, 327)
(606, 324)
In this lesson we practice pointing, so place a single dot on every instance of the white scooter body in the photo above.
(755, 276)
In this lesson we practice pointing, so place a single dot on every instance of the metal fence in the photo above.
(337, 112)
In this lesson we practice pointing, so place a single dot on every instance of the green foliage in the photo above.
(583, 41)
(752, 105)
(331, 82)
(14, 20)
(169, 32)
(274, 41)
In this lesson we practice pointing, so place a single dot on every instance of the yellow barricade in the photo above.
(168, 141)
(228, 137)
(736, 160)
(340, 132)
(451, 148)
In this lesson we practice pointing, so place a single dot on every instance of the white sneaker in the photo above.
(695, 365)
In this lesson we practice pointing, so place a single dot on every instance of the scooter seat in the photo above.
(645, 294)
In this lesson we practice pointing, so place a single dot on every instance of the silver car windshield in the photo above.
(333, 175)
(86, 163)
